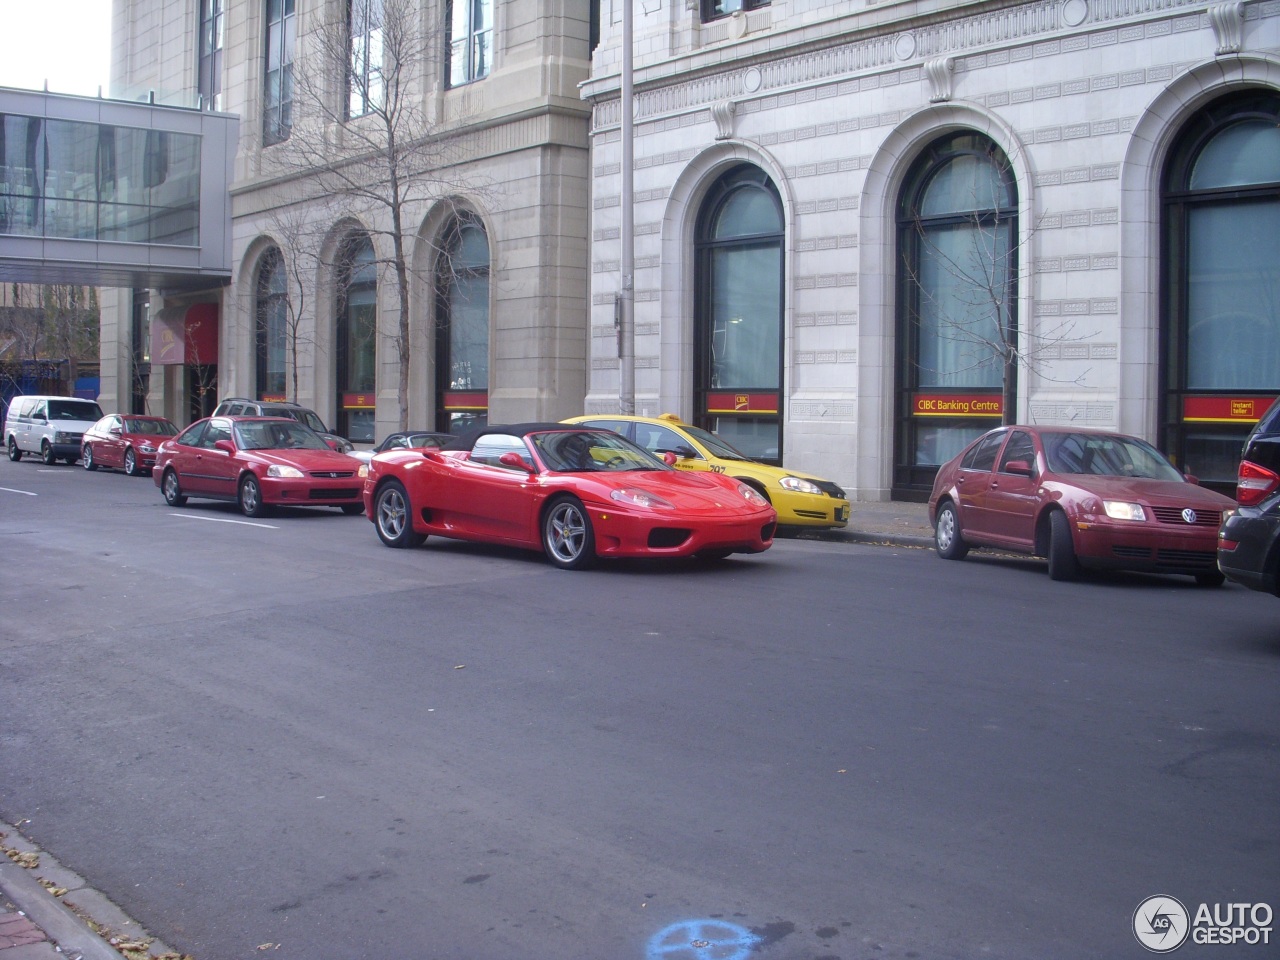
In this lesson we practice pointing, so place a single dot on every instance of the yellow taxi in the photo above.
(802, 500)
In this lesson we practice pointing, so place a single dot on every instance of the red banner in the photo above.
(742, 403)
(957, 405)
(1225, 409)
(466, 400)
(358, 401)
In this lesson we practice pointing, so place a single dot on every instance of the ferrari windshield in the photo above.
(277, 435)
(1106, 455)
(587, 451)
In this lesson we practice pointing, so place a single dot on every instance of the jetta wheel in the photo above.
(172, 489)
(567, 537)
(1063, 564)
(946, 534)
(89, 462)
(131, 463)
(251, 497)
(393, 518)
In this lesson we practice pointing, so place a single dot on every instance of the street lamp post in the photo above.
(627, 295)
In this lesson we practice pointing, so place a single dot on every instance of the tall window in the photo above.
(1221, 307)
(366, 90)
(957, 268)
(470, 40)
(209, 83)
(738, 344)
(272, 328)
(462, 334)
(715, 9)
(357, 340)
(277, 118)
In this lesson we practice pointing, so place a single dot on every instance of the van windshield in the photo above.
(74, 410)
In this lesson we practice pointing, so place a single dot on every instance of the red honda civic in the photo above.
(1081, 498)
(258, 462)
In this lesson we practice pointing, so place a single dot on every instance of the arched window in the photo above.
(356, 358)
(956, 319)
(1221, 306)
(738, 341)
(462, 333)
(271, 341)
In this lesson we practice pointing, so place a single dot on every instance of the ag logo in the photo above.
(1161, 924)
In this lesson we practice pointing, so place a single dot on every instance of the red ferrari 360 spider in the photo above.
(576, 493)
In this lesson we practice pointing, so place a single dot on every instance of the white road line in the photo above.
(243, 523)
(25, 493)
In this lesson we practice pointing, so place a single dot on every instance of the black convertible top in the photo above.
(466, 441)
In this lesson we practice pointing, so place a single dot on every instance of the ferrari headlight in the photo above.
(282, 471)
(641, 498)
(799, 485)
(752, 496)
(1123, 510)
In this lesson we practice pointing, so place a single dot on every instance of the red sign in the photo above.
(957, 405)
(1225, 409)
(358, 401)
(742, 403)
(273, 398)
(466, 400)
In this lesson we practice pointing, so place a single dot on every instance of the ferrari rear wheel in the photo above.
(567, 536)
(393, 517)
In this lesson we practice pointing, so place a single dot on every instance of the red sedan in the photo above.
(125, 442)
(575, 493)
(258, 462)
(1081, 498)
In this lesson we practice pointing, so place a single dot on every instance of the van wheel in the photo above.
(172, 490)
(46, 454)
(14, 453)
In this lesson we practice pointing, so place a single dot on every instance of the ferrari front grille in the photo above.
(665, 537)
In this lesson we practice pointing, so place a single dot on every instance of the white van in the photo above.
(50, 426)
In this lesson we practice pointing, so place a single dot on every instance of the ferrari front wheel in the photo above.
(567, 536)
(393, 516)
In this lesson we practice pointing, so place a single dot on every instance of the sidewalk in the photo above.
(37, 921)
(37, 925)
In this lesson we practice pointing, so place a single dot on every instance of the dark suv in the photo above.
(1249, 542)
(240, 407)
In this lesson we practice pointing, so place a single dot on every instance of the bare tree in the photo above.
(365, 143)
(964, 282)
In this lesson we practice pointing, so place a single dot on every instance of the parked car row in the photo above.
(617, 486)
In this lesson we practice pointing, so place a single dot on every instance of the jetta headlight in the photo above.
(282, 471)
(1123, 510)
(641, 498)
(799, 485)
(752, 496)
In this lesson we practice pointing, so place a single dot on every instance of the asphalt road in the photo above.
(280, 733)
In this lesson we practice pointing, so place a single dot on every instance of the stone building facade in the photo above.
(495, 234)
(927, 216)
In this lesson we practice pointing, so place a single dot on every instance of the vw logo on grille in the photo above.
(1189, 515)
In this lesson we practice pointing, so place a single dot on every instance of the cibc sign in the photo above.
(957, 405)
